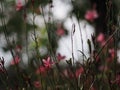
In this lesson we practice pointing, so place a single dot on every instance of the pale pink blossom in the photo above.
(91, 15)
(60, 32)
(19, 5)
(101, 38)
(18, 48)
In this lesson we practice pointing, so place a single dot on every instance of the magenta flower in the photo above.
(91, 15)
(60, 57)
(19, 5)
(47, 63)
(16, 61)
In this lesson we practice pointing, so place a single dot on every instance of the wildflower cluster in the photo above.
(35, 62)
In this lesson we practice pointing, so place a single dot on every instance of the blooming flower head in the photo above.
(19, 5)
(16, 61)
(47, 63)
(60, 57)
(91, 15)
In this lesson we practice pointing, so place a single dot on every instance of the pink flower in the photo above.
(100, 37)
(19, 5)
(60, 32)
(91, 15)
(79, 72)
(47, 63)
(60, 57)
(16, 61)
(37, 84)
(41, 70)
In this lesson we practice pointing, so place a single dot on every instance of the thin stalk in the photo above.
(34, 33)
(92, 84)
(7, 39)
(47, 28)
(107, 41)
(81, 39)
(72, 33)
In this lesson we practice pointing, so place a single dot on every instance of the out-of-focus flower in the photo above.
(37, 84)
(112, 52)
(111, 55)
(18, 48)
(100, 38)
(47, 63)
(60, 32)
(79, 72)
(91, 15)
(16, 60)
(60, 57)
(41, 70)
(19, 5)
